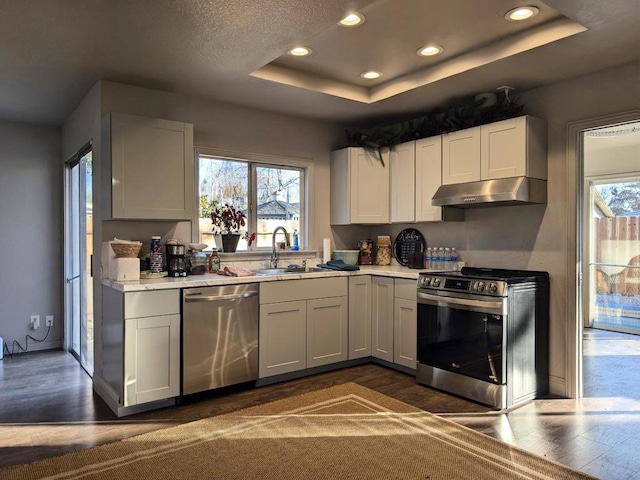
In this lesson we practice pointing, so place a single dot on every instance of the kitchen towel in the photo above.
(326, 250)
(339, 265)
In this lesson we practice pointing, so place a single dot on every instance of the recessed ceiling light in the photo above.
(521, 13)
(352, 20)
(300, 51)
(430, 50)
(371, 75)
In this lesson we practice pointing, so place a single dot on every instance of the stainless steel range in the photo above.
(483, 334)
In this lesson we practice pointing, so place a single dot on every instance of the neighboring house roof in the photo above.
(277, 209)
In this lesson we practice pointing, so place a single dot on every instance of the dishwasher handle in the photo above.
(216, 298)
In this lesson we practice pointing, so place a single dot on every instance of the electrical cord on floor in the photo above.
(27, 337)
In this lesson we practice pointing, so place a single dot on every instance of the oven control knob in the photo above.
(435, 282)
(479, 286)
(492, 288)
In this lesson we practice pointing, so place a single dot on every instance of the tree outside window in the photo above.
(274, 200)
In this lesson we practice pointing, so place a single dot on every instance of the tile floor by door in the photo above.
(47, 408)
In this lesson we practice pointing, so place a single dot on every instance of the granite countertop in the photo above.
(208, 280)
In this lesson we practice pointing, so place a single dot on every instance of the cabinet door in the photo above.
(359, 317)
(152, 168)
(461, 156)
(326, 331)
(151, 359)
(382, 318)
(405, 332)
(283, 338)
(428, 178)
(503, 149)
(369, 185)
(402, 165)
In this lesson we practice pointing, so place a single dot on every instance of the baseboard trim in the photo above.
(106, 392)
(557, 386)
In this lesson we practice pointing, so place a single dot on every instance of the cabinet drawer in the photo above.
(148, 304)
(406, 289)
(293, 290)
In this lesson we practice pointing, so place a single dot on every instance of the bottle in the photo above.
(440, 260)
(428, 262)
(296, 241)
(454, 259)
(214, 261)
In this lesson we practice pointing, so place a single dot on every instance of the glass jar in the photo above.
(383, 255)
(214, 261)
(198, 262)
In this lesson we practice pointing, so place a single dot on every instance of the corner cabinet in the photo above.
(147, 168)
(359, 187)
(510, 148)
(359, 317)
(382, 318)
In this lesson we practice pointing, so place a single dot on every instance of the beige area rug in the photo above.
(343, 432)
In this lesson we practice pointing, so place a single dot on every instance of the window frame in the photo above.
(253, 161)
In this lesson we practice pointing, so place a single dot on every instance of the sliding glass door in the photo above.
(614, 260)
(79, 250)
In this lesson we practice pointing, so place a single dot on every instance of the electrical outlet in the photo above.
(49, 321)
(35, 321)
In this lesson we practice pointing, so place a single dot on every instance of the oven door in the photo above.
(463, 334)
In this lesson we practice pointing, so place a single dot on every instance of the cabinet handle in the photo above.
(216, 298)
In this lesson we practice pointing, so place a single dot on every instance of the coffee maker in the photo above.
(176, 260)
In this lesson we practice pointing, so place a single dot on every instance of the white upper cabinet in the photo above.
(515, 147)
(359, 187)
(147, 168)
(428, 178)
(402, 165)
(461, 156)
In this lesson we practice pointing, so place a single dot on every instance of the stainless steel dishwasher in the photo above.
(219, 336)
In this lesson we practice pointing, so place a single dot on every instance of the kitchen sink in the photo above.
(285, 271)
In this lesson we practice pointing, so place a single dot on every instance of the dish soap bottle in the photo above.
(296, 241)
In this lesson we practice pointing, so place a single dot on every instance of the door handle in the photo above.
(216, 298)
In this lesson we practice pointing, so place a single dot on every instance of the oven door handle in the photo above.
(478, 305)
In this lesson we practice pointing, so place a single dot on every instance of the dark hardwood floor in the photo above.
(47, 408)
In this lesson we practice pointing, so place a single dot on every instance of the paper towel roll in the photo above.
(326, 250)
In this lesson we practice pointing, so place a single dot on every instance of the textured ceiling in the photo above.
(53, 51)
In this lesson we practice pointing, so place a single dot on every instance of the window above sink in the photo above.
(270, 192)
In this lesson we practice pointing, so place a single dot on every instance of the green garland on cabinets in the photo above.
(459, 114)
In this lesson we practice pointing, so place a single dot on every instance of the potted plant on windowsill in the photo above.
(227, 222)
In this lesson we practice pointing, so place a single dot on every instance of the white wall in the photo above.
(31, 233)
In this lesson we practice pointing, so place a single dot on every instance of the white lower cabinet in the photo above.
(303, 324)
(382, 318)
(405, 318)
(151, 359)
(140, 360)
(359, 317)
(327, 331)
(283, 337)
(394, 320)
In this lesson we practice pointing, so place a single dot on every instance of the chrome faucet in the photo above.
(274, 252)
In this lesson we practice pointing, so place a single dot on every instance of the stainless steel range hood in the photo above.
(486, 193)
